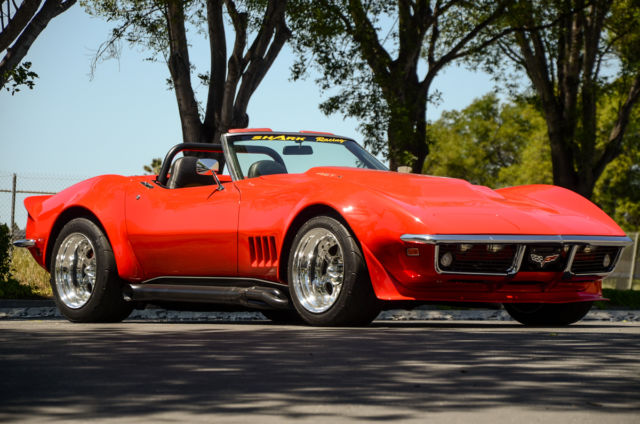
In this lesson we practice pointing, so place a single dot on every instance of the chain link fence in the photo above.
(14, 188)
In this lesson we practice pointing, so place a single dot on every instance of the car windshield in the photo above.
(297, 153)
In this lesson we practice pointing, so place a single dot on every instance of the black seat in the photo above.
(184, 174)
(266, 167)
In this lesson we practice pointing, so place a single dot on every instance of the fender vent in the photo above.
(263, 251)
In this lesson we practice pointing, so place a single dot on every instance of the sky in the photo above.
(71, 126)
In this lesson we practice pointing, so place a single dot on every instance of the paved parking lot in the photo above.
(259, 372)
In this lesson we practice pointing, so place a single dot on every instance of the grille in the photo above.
(262, 250)
(476, 258)
(594, 259)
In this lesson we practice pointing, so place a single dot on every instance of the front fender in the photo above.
(376, 221)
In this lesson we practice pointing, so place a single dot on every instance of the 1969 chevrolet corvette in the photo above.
(311, 226)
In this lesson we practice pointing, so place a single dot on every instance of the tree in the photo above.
(618, 188)
(19, 28)
(500, 145)
(154, 167)
(387, 88)
(5, 253)
(575, 53)
(162, 27)
(491, 144)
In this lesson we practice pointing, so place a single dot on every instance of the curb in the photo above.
(46, 309)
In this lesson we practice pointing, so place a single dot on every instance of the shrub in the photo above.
(5, 253)
(620, 298)
(10, 288)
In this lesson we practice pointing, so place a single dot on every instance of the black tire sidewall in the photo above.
(556, 314)
(356, 295)
(107, 284)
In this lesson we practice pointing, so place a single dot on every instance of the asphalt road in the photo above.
(480, 372)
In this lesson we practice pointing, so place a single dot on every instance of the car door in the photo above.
(183, 231)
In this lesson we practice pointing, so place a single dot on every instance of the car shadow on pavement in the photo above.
(397, 370)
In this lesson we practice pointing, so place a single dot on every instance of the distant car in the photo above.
(311, 226)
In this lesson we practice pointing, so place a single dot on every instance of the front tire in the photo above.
(84, 278)
(548, 313)
(328, 278)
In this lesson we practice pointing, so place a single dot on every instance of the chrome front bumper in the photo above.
(621, 241)
(521, 242)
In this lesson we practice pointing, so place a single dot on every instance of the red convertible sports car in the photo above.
(311, 226)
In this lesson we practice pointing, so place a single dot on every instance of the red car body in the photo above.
(399, 220)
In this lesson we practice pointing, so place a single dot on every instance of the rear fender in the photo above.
(100, 199)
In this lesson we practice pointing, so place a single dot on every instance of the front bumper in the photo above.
(506, 255)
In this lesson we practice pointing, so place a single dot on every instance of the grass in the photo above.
(32, 278)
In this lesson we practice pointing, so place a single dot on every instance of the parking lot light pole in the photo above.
(632, 271)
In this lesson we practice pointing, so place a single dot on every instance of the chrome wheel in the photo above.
(75, 270)
(318, 270)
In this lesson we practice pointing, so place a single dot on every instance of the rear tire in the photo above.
(328, 279)
(548, 313)
(84, 277)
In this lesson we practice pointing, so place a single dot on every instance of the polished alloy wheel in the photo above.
(75, 270)
(318, 270)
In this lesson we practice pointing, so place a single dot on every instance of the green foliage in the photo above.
(26, 271)
(167, 29)
(12, 289)
(143, 24)
(620, 298)
(9, 287)
(322, 41)
(491, 144)
(377, 60)
(623, 32)
(154, 167)
(583, 63)
(20, 76)
(5, 252)
(501, 145)
(618, 190)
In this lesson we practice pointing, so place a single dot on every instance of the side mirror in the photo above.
(207, 166)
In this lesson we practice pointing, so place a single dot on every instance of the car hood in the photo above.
(453, 206)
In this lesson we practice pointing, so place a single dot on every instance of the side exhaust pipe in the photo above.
(253, 297)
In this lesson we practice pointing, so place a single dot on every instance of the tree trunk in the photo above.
(19, 49)
(564, 73)
(406, 98)
(407, 133)
(180, 69)
(17, 23)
